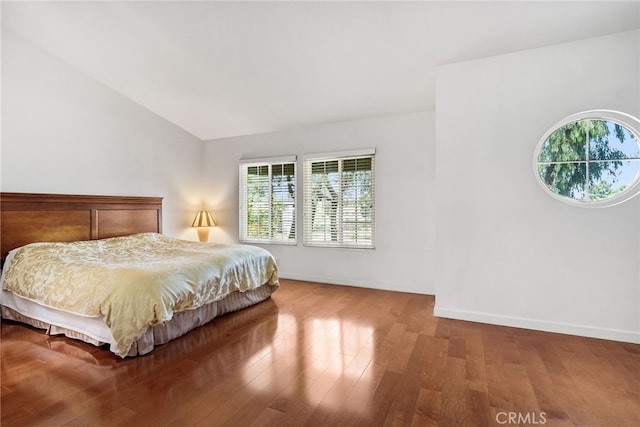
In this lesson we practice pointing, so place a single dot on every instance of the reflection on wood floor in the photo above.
(323, 355)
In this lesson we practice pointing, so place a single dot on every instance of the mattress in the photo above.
(94, 331)
(132, 292)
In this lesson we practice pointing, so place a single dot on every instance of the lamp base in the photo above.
(203, 234)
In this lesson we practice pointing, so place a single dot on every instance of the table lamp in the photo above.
(202, 222)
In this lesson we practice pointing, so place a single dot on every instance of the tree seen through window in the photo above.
(589, 160)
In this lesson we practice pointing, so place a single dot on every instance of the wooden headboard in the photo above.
(28, 217)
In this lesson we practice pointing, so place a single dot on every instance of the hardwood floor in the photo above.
(324, 355)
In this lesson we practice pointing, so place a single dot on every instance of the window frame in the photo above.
(632, 124)
(270, 162)
(340, 157)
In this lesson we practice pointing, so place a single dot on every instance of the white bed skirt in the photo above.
(93, 330)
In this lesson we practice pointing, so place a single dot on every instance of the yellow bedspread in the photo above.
(136, 281)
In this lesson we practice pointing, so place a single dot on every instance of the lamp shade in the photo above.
(203, 219)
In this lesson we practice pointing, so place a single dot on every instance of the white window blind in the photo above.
(268, 201)
(339, 199)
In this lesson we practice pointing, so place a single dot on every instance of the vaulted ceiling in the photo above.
(219, 69)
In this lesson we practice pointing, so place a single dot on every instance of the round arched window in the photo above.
(591, 158)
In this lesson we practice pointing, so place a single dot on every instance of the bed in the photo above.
(98, 269)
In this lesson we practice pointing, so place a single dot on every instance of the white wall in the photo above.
(63, 132)
(404, 257)
(508, 253)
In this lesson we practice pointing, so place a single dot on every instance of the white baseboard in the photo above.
(411, 288)
(539, 325)
(331, 280)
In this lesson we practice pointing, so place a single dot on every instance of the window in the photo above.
(591, 159)
(268, 200)
(339, 199)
